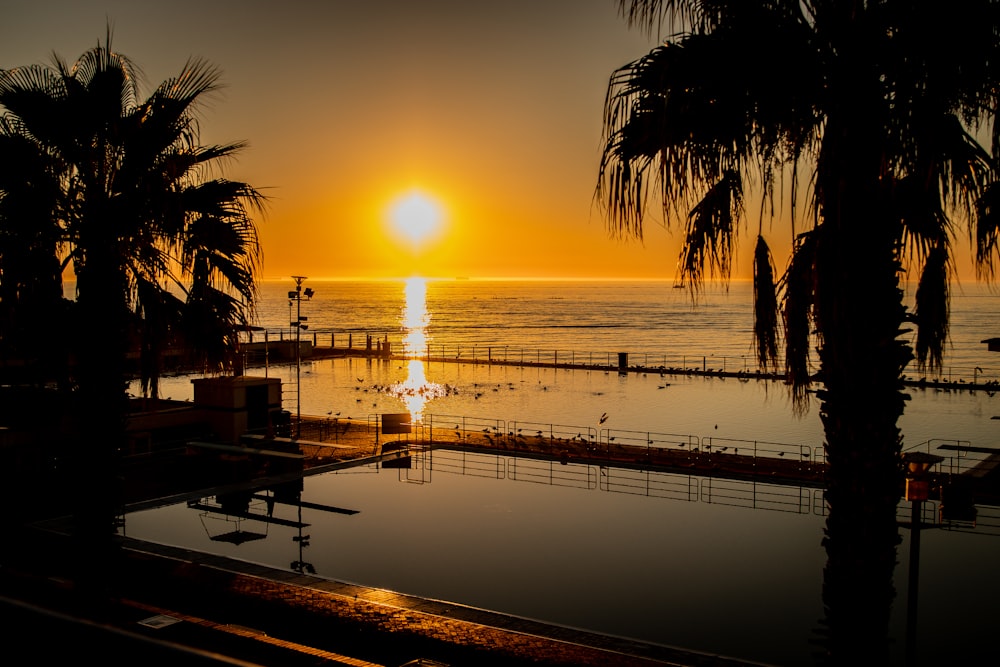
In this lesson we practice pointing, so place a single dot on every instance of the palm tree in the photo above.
(160, 248)
(880, 105)
(31, 289)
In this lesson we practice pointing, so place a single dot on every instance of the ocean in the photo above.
(650, 320)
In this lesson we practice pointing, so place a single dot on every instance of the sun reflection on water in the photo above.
(416, 391)
(415, 317)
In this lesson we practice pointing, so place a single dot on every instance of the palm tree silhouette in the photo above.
(31, 303)
(878, 104)
(160, 249)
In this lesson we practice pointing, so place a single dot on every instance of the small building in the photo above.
(992, 344)
(235, 406)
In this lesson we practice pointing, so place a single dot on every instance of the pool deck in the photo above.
(452, 633)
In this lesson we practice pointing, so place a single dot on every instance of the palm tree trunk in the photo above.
(859, 316)
(102, 406)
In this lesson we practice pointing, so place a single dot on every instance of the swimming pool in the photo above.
(706, 564)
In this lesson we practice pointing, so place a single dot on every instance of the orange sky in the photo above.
(491, 109)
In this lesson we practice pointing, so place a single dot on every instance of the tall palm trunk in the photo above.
(102, 405)
(859, 316)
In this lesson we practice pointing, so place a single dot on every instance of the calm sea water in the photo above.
(650, 320)
(733, 568)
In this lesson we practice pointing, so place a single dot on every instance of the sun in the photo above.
(415, 217)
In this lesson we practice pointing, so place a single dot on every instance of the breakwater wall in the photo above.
(742, 368)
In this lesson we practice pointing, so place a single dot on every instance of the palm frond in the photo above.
(210, 324)
(924, 223)
(197, 78)
(765, 306)
(110, 81)
(710, 240)
(684, 116)
(987, 230)
(966, 166)
(799, 291)
(931, 312)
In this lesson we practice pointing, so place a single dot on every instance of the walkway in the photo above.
(401, 627)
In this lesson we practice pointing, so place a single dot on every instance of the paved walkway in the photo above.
(417, 627)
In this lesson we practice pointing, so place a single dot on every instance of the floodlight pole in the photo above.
(297, 296)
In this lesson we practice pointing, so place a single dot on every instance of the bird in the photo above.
(604, 418)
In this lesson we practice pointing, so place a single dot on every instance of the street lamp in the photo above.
(297, 295)
(918, 487)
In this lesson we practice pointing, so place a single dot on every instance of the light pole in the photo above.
(297, 295)
(918, 483)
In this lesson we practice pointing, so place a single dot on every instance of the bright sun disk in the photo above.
(415, 217)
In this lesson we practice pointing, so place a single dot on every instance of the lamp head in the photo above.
(918, 463)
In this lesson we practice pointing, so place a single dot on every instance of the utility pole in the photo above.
(297, 295)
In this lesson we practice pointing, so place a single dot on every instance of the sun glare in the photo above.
(415, 391)
(415, 217)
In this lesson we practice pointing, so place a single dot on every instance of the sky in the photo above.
(440, 138)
